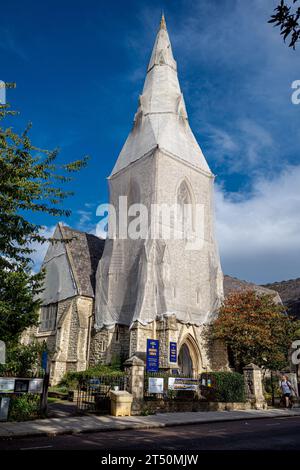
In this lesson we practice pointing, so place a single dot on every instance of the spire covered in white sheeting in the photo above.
(161, 119)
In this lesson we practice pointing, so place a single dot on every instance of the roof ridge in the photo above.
(71, 261)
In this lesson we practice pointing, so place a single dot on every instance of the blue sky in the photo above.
(80, 66)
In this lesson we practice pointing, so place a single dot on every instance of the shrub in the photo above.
(23, 360)
(72, 379)
(225, 387)
(24, 407)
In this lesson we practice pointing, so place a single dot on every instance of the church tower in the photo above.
(166, 283)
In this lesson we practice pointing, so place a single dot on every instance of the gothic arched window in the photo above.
(185, 209)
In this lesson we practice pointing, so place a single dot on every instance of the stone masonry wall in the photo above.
(109, 346)
(204, 355)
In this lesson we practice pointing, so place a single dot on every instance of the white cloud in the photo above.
(247, 145)
(259, 237)
(85, 218)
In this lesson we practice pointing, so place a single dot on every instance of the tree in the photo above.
(288, 21)
(30, 183)
(255, 329)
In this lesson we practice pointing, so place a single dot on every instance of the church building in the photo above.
(104, 299)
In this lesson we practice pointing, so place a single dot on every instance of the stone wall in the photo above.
(109, 346)
(181, 406)
(68, 343)
(205, 355)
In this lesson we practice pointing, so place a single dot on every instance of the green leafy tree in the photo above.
(255, 329)
(288, 21)
(30, 182)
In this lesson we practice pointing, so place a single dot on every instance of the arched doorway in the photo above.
(185, 362)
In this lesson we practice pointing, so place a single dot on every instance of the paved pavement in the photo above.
(91, 423)
(282, 433)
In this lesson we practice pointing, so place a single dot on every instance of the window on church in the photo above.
(48, 317)
(117, 334)
(185, 209)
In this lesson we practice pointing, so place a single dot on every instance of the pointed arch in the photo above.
(194, 351)
(185, 201)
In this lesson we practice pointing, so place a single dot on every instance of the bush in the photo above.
(225, 387)
(24, 407)
(23, 360)
(72, 379)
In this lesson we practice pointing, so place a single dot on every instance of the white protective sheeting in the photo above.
(161, 113)
(140, 280)
(59, 283)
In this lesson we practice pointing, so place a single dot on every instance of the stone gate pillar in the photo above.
(135, 369)
(253, 386)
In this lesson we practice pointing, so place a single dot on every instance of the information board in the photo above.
(152, 358)
(183, 383)
(156, 385)
(7, 385)
(35, 386)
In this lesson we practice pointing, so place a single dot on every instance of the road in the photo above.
(259, 434)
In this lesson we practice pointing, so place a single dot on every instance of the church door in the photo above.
(185, 362)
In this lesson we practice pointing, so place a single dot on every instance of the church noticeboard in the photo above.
(21, 385)
(7, 385)
(183, 383)
(35, 386)
(152, 359)
(173, 352)
(156, 385)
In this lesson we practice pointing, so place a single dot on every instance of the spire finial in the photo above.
(163, 22)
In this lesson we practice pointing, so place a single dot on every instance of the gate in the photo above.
(93, 394)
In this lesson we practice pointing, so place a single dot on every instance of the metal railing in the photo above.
(93, 394)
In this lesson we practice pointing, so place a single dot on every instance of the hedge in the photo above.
(24, 407)
(71, 379)
(225, 387)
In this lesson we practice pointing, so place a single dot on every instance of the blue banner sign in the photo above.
(152, 363)
(44, 360)
(173, 352)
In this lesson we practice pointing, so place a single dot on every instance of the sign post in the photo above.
(152, 358)
(2, 352)
(4, 408)
(44, 396)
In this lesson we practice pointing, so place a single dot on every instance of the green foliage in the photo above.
(24, 407)
(225, 387)
(255, 329)
(30, 183)
(147, 412)
(288, 21)
(271, 384)
(23, 360)
(18, 304)
(59, 389)
(72, 379)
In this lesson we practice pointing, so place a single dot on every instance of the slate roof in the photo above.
(84, 252)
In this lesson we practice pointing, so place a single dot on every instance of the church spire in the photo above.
(163, 22)
(161, 119)
(162, 50)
